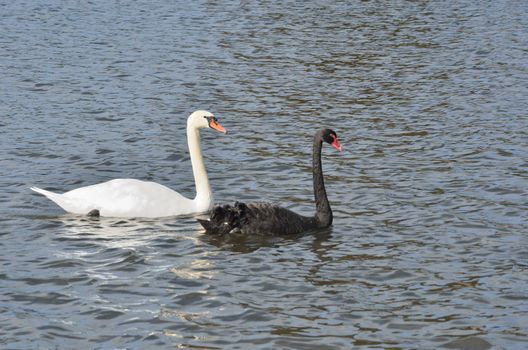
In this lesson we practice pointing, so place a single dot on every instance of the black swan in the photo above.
(267, 218)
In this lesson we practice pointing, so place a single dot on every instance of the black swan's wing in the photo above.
(224, 218)
(207, 225)
(272, 219)
(263, 218)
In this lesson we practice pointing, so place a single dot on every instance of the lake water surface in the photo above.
(429, 243)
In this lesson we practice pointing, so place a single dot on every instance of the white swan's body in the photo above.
(127, 198)
(135, 198)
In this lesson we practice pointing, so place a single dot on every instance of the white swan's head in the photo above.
(204, 119)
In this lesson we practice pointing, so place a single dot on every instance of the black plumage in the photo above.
(267, 218)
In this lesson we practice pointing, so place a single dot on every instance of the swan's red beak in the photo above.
(214, 125)
(336, 145)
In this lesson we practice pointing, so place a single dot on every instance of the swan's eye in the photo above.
(331, 138)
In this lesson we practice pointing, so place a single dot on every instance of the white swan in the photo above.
(135, 198)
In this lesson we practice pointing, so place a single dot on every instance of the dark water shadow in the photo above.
(247, 243)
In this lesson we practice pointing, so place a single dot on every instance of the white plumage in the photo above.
(137, 198)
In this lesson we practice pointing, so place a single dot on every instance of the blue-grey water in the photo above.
(429, 243)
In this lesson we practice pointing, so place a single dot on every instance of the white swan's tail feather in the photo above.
(62, 201)
(51, 195)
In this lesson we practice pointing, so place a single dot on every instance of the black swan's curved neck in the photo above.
(323, 212)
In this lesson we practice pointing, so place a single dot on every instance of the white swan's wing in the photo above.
(133, 198)
(123, 198)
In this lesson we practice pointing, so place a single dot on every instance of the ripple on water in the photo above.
(429, 193)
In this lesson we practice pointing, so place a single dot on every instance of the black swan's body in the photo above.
(271, 219)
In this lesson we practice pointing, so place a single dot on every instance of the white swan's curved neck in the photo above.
(204, 196)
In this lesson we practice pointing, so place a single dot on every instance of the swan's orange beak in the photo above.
(336, 145)
(214, 125)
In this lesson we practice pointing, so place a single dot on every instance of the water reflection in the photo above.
(428, 244)
(111, 232)
(247, 243)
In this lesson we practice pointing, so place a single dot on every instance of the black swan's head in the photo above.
(329, 136)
